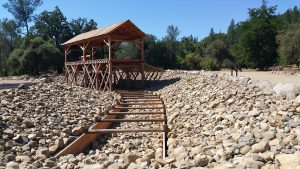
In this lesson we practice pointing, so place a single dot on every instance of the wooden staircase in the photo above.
(142, 104)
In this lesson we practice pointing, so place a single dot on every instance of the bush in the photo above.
(208, 64)
(33, 56)
(191, 61)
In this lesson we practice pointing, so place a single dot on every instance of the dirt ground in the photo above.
(267, 75)
(7, 84)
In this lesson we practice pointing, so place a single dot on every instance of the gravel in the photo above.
(215, 121)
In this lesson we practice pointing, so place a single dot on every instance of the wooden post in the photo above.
(142, 62)
(67, 51)
(83, 48)
(165, 133)
(142, 49)
(110, 63)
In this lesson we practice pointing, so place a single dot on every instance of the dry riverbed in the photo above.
(215, 122)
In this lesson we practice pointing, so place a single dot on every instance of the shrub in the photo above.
(208, 64)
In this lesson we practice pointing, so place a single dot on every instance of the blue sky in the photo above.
(194, 17)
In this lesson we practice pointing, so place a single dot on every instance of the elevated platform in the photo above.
(124, 73)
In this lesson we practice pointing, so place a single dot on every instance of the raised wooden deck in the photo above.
(124, 73)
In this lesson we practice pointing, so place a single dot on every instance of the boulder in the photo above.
(12, 165)
(288, 161)
(130, 158)
(260, 147)
(290, 91)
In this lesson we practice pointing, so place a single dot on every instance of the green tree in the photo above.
(8, 41)
(289, 45)
(218, 52)
(256, 46)
(172, 33)
(33, 56)
(82, 25)
(187, 45)
(170, 44)
(231, 31)
(22, 10)
(54, 25)
(127, 51)
(212, 33)
(208, 64)
(191, 61)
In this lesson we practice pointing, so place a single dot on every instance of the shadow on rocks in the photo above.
(160, 84)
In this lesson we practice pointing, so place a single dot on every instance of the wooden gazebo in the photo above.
(107, 73)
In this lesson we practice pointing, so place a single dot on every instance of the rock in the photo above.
(28, 123)
(265, 85)
(39, 157)
(22, 158)
(43, 151)
(23, 86)
(267, 156)
(184, 164)
(288, 161)
(12, 165)
(32, 136)
(49, 163)
(22, 139)
(297, 99)
(4, 102)
(77, 131)
(165, 161)
(130, 158)
(60, 142)
(94, 166)
(149, 154)
(9, 157)
(260, 147)
(45, 80)
(248, 162)
(289, 91)
(115, 166)
(269, 135)
(180, 152)
(201, 160)
(245, 149)
(53, 149)
(254, 113)
(9, 132)
(288, 139)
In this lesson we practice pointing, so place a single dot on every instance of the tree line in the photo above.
(31, 43)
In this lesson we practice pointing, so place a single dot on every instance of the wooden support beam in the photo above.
(140, 100)
(139, 107)
(140, 97)
(131, 120)
(165, 133)
(123, 130)
(135, 113)
(147, 103)
(82, 142)
(110, 64)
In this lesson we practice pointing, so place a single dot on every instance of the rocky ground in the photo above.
(215, 121)
(38, 120)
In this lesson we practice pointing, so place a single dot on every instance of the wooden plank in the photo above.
(140, 97)
(140, 100)
(123, 130)
(82, 142)
(132, 120)
(139, 107)
(132, 113)
(149, 103)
